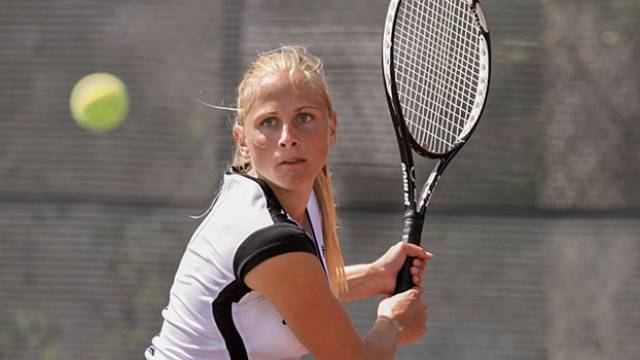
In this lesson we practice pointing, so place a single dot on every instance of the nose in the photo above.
(288, 136)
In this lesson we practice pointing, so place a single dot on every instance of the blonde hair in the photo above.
(300, 65)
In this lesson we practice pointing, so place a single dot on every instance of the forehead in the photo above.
(278, 88)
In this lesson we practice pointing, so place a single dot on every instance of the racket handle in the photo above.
(403, 280)
(411, 233)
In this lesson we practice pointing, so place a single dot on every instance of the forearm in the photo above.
(383, 340)
(381, 343)
(361, 281)
(379, 277)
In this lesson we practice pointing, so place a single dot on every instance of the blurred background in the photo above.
(535, 226)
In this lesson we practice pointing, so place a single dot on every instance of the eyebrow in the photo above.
(298, 109)
(308, 106)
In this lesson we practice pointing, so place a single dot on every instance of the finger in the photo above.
(418, 263)
(417, 292)
(413, 293)
(417, 280)
(418, 269)
(416, 251)
(416, 273)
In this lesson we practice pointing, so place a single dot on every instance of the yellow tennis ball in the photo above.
(99, 102)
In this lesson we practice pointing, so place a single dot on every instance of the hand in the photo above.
(387, 266)
(407, 313)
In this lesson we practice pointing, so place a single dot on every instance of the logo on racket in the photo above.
(405, 181)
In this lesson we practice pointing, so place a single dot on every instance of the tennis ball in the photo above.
(99, 102)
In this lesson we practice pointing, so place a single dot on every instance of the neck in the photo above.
(294, 202)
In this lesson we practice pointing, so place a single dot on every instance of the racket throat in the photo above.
(427, 189)
(430, 184)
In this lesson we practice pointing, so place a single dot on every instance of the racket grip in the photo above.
(403, 280)
(411, 233)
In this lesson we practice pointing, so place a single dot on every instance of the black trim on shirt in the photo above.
(278, 215)
(315, 242)
(222, 314)
(268, 242)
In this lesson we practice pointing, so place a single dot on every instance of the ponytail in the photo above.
(324, 193)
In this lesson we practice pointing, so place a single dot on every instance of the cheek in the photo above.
(326, 139)
(260, 150)
(322, 146)
(258, 139)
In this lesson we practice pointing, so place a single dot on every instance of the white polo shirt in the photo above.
(211, 313)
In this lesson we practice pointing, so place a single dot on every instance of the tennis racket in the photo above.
(436, 61)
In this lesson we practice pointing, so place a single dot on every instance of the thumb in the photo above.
(416, 251)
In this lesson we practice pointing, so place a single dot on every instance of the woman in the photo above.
(263, 277)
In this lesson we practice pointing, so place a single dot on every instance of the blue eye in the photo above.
(304, 117)
(269, 122)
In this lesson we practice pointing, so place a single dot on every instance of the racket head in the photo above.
(436, 65)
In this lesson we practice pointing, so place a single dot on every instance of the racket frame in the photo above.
(415, 208)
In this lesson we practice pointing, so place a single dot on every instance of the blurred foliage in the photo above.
(29, 335)
(623, 14)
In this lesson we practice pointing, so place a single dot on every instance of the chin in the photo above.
(294, 183)
(294, 180)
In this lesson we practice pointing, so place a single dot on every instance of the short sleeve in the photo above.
(269, 242)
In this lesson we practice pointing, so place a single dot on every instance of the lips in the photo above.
(292, 161)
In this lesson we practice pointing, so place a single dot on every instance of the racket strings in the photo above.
(449, 76)
(416, 109)
(436, 67)
(449, 70)
(441, 87)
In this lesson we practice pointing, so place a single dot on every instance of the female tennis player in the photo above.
(263, 277)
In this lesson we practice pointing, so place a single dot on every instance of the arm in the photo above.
(379, 277)
(361, 283)
(296, 285)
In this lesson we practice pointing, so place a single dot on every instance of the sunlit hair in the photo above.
(301, 66)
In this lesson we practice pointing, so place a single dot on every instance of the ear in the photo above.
(241, 140)
(333, 124)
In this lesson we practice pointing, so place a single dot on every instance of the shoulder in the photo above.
(242, 207)
(246, 226)
(239, 195)
(269, 242)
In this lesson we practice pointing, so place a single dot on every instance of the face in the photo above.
(287, 133)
